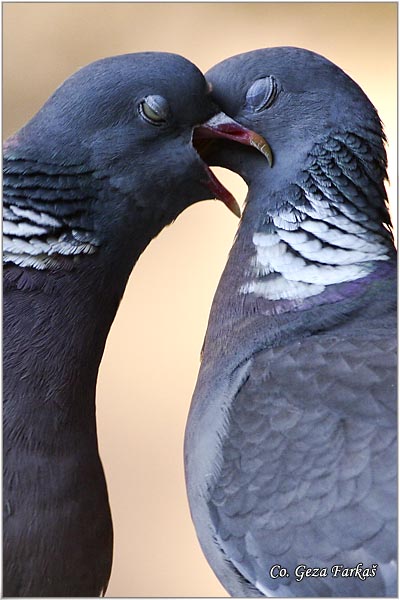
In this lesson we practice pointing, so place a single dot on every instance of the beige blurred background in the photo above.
(152, 355)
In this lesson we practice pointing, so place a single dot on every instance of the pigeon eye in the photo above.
(154, 109)
(262, 93)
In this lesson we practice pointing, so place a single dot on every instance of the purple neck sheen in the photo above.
(332, 294)
(349, 289)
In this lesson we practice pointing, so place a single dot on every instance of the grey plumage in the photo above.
(290, 446)
(99, 171)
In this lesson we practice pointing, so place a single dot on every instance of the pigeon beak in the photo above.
(222, 126)
(220, 192)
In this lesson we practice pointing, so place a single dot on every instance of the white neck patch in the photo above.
(37, 239)
(301, 262)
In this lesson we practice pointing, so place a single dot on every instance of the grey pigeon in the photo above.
(290, 446)
(104, 165)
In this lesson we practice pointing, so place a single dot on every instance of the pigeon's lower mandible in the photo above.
(108, 161)
(290, 449)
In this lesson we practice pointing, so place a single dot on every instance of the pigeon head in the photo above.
(110, 157)
(319, 216)
(294, 98)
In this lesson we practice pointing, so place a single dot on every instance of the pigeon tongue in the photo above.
(222, 126)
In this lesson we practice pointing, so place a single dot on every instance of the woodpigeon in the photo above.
(290, 446)
(105, 164)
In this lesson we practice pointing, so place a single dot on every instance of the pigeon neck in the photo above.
(63, 283)
(54, 215)
(281, 265)
(322, 238)
(312, 258)
(59, 323)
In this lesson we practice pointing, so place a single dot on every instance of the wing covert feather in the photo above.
(309, 465)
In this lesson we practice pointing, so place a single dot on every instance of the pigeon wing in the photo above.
(308, 474)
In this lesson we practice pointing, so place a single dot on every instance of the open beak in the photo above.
(222, 126)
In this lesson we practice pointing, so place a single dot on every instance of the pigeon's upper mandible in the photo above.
(106, 163)
(290, 446)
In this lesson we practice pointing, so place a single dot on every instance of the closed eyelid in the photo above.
(262, 93)
(158, 104)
